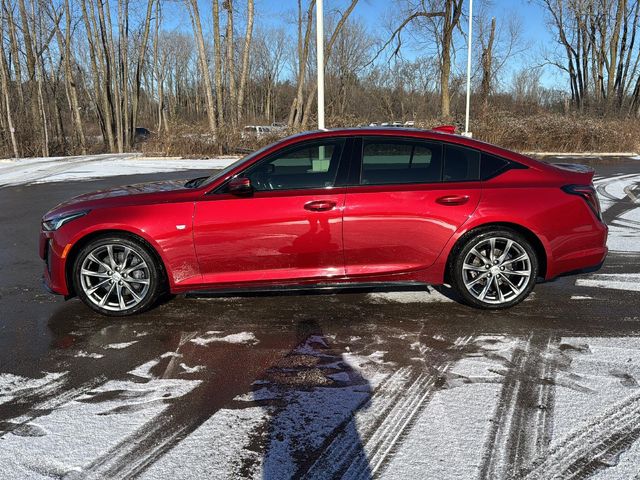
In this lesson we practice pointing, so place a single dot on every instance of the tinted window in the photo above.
(388, 162)
(490, 166)
(310, 166)
(460, 164)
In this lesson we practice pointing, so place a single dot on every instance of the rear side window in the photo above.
(491, 165)
(393, 162)
(461, 164)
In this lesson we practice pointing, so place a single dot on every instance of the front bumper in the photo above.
(54, 255)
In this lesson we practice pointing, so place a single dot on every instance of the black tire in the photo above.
(129, 291)
(500, 294)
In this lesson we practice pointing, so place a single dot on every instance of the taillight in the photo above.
(589, 194)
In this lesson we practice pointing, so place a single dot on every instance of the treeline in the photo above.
(93, 75)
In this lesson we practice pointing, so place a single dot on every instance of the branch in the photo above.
(396, 32)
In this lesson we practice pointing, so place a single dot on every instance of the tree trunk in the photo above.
(142, 55)
(218, 59)
(245, 61)
(231, 71)
(296, 111)
(4, 83)
(194, 13)
(487, 65)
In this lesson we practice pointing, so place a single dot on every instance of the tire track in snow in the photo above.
(55, 398)
(345, 444)
(619, 206)
(73, 384)
(593, 447)
(143, 447)
(391, 413)
(523, 419)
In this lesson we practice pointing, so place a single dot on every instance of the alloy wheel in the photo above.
(115, 277)
(496, 270)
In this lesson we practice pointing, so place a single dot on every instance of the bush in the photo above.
(558, 133)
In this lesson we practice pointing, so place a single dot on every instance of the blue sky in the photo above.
(379, 14)
(535, 36)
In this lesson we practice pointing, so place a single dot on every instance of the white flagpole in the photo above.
(466, 122)
(320, 58)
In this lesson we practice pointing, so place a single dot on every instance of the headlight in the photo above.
(56, 222)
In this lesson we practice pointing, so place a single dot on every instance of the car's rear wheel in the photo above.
(494, 268)
(117, 276)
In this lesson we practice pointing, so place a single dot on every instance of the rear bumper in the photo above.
(587, 263)
(580, 253)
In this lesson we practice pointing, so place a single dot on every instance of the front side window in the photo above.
(309, 166)
(392, 162)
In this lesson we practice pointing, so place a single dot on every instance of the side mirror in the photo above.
(240, 186)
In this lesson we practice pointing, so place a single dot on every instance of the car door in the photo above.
(289, 228)
(406, 199)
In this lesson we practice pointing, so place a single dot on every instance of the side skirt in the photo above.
(315, 289)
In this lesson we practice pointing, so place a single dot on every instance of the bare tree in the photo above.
(486, 63)
(439, 18)
(306, 21)
(217, 59)
(344, 16)
(245, 61)
(194, 13)
(230, 64)
(4, 79)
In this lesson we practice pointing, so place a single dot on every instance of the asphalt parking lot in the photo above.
(407, 384)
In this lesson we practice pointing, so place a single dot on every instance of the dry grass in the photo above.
(559, 133)
(197, 141)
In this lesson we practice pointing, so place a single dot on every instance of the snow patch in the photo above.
(62, 169)
(242, 337)
(119, 346)
(87, 428)
(83, 354)
(407, 297)
(187, 369)
(13, 386)
(629, 281)
(171, 355)
(144, 370)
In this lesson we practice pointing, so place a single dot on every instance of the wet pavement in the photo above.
(407, 384)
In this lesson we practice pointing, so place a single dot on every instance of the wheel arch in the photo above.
(89, 237)
(534, 240)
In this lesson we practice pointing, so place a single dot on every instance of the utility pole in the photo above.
(320, 59)
(466, 132)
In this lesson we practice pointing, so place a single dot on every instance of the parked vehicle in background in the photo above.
(256, 131)
(368, 206)
(141, 134)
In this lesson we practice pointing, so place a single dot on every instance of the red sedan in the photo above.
(351, 207)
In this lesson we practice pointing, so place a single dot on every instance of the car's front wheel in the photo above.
(494, 268)
(117, 276)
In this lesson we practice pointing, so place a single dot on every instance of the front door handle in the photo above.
(320, 205)
(453, 200)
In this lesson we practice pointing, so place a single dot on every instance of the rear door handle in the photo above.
(453, 200)
(320, 205)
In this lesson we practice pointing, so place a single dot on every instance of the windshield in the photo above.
(222, 173)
